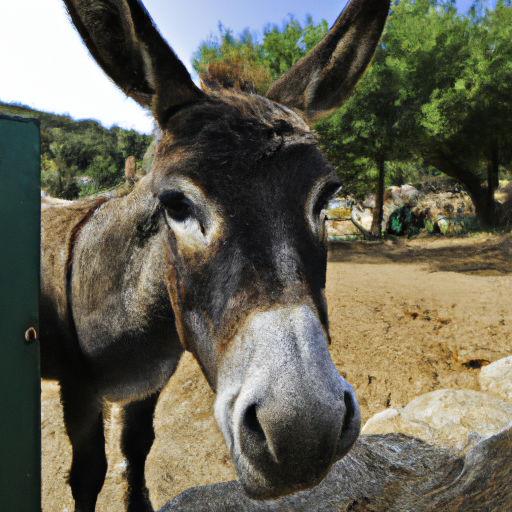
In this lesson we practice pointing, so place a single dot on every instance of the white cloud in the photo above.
(45, 66)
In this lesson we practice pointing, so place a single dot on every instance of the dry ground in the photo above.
(407, 317)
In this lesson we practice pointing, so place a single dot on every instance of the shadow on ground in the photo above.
(466, 255)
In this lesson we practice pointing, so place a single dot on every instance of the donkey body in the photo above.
(220, 250)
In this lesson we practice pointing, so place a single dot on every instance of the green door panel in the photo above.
(20, 387)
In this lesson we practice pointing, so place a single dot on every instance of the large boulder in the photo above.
(447, 418)
(406, 195)
(496, 379)
(385, 473)
(341, 229)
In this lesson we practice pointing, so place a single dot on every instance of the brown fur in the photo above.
(62, 222)
(171, 280)
(78, 227)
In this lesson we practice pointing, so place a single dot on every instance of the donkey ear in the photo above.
(322, 80)
(123, 40)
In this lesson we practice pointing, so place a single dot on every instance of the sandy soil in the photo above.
(407, 317)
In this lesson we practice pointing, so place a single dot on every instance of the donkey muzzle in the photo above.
(284, 410)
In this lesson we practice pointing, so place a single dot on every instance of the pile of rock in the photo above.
(338, 220)
(435, 210)
(445, 451)
(432, 207)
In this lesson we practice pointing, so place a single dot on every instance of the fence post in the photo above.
(20, 386)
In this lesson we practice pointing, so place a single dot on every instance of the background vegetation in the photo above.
(436, 100)
(79, 158)
(243, 64)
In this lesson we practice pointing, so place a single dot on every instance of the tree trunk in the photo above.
(495, 169)
(479, 195)
(491, 210)
(379, 201)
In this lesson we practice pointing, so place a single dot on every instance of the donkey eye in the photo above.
(178, 207)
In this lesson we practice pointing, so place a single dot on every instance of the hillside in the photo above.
(79, 158)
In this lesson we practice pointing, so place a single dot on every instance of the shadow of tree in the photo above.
(488, 257)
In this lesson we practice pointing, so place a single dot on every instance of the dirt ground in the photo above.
(407, 317)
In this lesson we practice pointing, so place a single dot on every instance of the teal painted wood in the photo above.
(20, 385)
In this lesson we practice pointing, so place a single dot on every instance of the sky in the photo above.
(44, 64)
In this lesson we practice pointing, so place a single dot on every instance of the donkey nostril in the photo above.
(252, 423)
(350, 428)
(350, 410)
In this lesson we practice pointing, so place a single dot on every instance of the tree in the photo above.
(366, 131)
(438, 95)
(458, 109)
(439, 91)
(283, 48)
(245, 65)
(132, 143)
(70, 149)
(232, 63)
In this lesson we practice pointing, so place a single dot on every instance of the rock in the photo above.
(406, 195)
(444, 203)
(450, 419)
(338, 209)
(387, 212)
(341, 228)
(362, 218)
(129, 168)
(385, 473)
(496, 379)
(369, 202)
(388, 195)
(436, 185)
(409, 195)
(398, 199)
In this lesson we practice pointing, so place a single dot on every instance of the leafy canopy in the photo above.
(439, 92)
(72, 150)
(244, 64)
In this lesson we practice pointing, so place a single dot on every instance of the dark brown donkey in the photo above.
(220, 250)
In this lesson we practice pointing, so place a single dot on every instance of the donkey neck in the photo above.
(118, 272)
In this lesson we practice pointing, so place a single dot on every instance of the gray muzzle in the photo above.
(285, 412)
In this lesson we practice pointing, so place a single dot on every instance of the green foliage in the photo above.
(471, 114)
(244, 64)
(283, 48)
(71, 150)
(400, 220)
(412, 172)
(132, 143)
(105, 172)
(438, 95)
(232, 62)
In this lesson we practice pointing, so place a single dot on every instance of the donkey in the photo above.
(220, 250)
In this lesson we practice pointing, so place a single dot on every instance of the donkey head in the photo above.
(242, 186)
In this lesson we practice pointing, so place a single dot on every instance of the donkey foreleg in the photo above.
(84, 424)
(136, 441)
